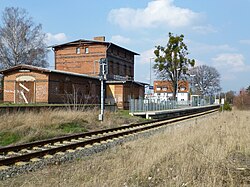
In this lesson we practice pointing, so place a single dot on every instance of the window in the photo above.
(86, 50)
(183, 89)
(158, 88)
(78, 50)
(164, 88)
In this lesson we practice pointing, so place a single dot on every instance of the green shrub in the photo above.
(226, 106)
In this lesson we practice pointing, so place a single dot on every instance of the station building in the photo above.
(83, 56)
(76, 76)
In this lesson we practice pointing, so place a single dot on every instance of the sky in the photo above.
(215, 32)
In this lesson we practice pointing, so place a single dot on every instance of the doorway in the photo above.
(25, 90)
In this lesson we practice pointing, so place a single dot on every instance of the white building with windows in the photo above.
(163, 91)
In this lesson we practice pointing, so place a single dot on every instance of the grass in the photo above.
(211, 151)
(42, 104)
(7, 138)
(24, 127)
(72, 127)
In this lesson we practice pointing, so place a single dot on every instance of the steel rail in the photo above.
(74, 145)
(19, 147)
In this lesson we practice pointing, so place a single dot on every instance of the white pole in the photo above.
(102, 100)
(150, 71)
(103, 63)
(177, 88)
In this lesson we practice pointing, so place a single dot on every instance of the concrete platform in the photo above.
(170, 112)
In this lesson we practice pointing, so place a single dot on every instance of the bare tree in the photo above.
(21, 41)
(206, 80)
(248, 90)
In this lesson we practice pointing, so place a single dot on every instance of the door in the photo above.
(25, 92)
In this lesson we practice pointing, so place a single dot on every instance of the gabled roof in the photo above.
(43, 70)
(169, 87)
(23, 67)
(77, 42)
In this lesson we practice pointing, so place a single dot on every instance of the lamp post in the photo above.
(150, 76)
(178, 69)
(102, 77)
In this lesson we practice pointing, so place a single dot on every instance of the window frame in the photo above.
(86, 50)
(78, 50)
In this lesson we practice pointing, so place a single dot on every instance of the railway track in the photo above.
(12, 156)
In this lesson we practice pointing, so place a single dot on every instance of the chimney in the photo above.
(100, 38)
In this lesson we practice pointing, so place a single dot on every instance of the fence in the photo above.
(143, 105)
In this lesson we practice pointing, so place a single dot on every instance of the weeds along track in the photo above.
(31, 156)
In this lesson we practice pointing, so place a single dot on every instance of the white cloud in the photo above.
(245, 42)
(199, 62)
(145, 56)
(204, 29)
(142, 66)
(118, 39)
(230, 62)
(56, 38)
(202, 48)
(157, 13)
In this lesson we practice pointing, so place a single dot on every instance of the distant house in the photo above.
(163, 90)
(30, 84)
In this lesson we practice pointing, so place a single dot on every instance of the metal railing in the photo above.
(144, 105)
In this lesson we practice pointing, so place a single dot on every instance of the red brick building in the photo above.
(76, 76)
(164, 86)
(30, 84)
(82, 56)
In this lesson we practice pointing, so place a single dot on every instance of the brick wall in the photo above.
(75, 59)
(53, 87)
(73, 89)
(41, 86)
(121, 62)
(121, 93)
(67, 59)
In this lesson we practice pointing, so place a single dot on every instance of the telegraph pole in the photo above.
(102, 76)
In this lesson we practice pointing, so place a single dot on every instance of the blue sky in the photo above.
(216, 32)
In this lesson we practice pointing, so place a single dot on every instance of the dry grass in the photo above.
(212, 151)
(29, 126)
